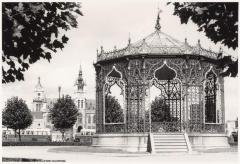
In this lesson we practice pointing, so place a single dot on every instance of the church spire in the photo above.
(80, 71)
(39, 85)
(39, 91)
(157, 25)
(79, 82)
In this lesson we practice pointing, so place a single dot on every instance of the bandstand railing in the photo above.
(205, 128)
(115, 128)
(166, 127)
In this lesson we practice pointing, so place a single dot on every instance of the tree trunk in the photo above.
(19, 135)
(15, 133)
(63, 136)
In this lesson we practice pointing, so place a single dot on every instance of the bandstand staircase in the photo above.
(166, 143)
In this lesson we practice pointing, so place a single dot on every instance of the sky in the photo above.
(109, 23)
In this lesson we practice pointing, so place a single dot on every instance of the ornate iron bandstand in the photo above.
(184, 79)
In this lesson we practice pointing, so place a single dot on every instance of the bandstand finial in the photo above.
(186, 42)
(129, 38)
(199, 44)
(220, 50)
(158, 26)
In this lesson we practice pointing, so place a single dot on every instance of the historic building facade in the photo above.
(85, 124)
(86, 120)
(40, 108)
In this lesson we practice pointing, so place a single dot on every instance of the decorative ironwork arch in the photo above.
(114, 77)
(210, 90)
(165, 79)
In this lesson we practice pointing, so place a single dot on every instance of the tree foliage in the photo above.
(160, 111)
(64, 114)
(31, 31)
(113, 110)
(16, 115)
(219, 21)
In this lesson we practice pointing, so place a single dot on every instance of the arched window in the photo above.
(210, 97)
(195, 115)
(38, 107)
(80, 118)
(114, 97)
(94, 119)
(165, 100)
(78, 104)
(81, 103)
(89, 119)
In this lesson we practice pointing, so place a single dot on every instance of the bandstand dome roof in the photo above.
(159, 44)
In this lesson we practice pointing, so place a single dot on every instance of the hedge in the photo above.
(46, 143)
(4, 159)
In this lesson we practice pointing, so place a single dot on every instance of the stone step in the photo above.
(170, 150)
(170, 147)
(170, 143)
(167, 134)
(171, 137)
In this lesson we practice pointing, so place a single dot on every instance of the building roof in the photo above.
(157, 43)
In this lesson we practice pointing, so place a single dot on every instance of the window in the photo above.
(94, 119)
(210, 97)
(194, 104)
(81, 103)
(80, 118)
(78, 104)
(48, 118)
(38, 107)
(89, 119)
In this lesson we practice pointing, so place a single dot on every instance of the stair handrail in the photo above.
(152, 143)
(188, 142)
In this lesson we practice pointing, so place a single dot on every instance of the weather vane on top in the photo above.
(158, 26)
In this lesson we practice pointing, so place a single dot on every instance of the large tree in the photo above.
(160, 111)
(219, 21)
(16, 115)
(31, 31)
(64, 114)
(113, 110)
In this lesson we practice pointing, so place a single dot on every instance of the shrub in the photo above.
(47, 143)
